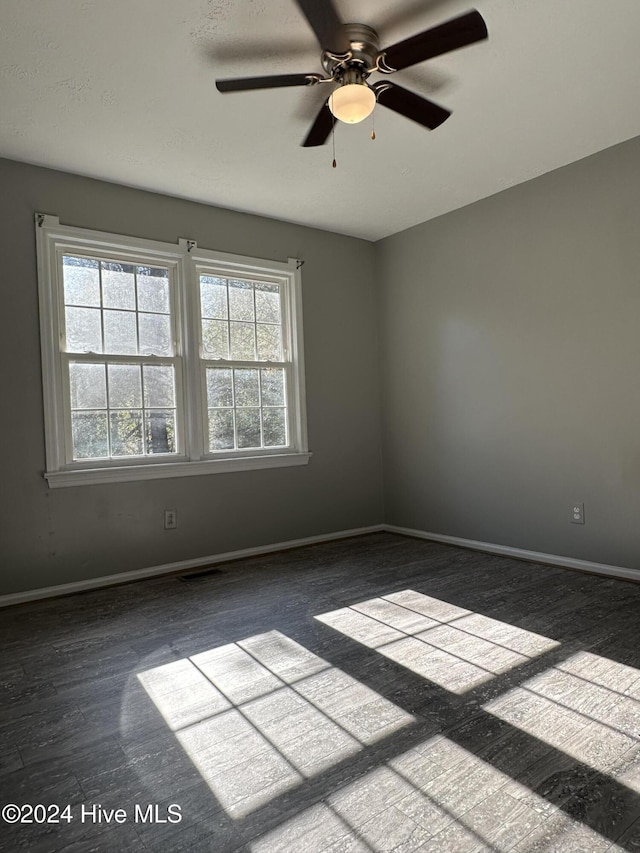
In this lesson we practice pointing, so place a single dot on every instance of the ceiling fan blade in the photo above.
(410, 105)
(245, 84)
(451, 35)
(320, 129)
(326, 24)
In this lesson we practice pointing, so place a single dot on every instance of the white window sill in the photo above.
(162, 470)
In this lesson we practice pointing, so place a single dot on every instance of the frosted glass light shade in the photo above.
(352, 102)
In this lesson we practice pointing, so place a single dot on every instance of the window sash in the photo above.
(134, 259)
(230, 273)
(287, 405)
(176, 363)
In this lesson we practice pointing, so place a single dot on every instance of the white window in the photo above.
(166, 360)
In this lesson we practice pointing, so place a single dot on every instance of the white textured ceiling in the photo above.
(123, 90)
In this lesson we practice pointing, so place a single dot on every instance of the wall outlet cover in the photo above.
(577, 513)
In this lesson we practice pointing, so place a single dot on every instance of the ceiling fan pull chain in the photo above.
(373, 125)
(333, 140)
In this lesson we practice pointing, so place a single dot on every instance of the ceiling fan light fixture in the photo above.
(352, 102)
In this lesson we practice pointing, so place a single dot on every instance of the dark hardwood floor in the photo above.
(372, 694)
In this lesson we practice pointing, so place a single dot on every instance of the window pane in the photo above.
(215, 340)
(246, 387)
(220, 429)
(153, 290)
(125, 389)
(83, 330)
(118, 286)
(88, 386)
(126, 432)
(81, 281)
(268, 303)
(120, 332)
(160, 432)
(213, 297)
(155, 334)
(272, 386)
(274, 427)
(241, 300)
(219, 387)
(269, 343)
(89, 432)
(159, 388)
(242, 341)
(248, 427)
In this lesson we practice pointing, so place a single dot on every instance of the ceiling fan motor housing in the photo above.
(362, 56)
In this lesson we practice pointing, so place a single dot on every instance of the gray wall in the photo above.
(509, 348)
(510, 363)
(56, 536)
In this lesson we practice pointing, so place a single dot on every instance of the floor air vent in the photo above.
(200, 574)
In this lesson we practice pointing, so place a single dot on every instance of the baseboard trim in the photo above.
(181, 566)
(619, 572)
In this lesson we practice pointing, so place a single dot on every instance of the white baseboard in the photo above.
(619, 572)
(181, 566)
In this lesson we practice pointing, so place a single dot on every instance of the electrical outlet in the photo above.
(577, 513)
(170, 519)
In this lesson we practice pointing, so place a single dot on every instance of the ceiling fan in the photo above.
(350, 53)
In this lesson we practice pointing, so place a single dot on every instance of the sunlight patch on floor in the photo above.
(443, 643)
(587, 706)
(259, 716)
(436, 797)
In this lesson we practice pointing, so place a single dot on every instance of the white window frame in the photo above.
(185, 261)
